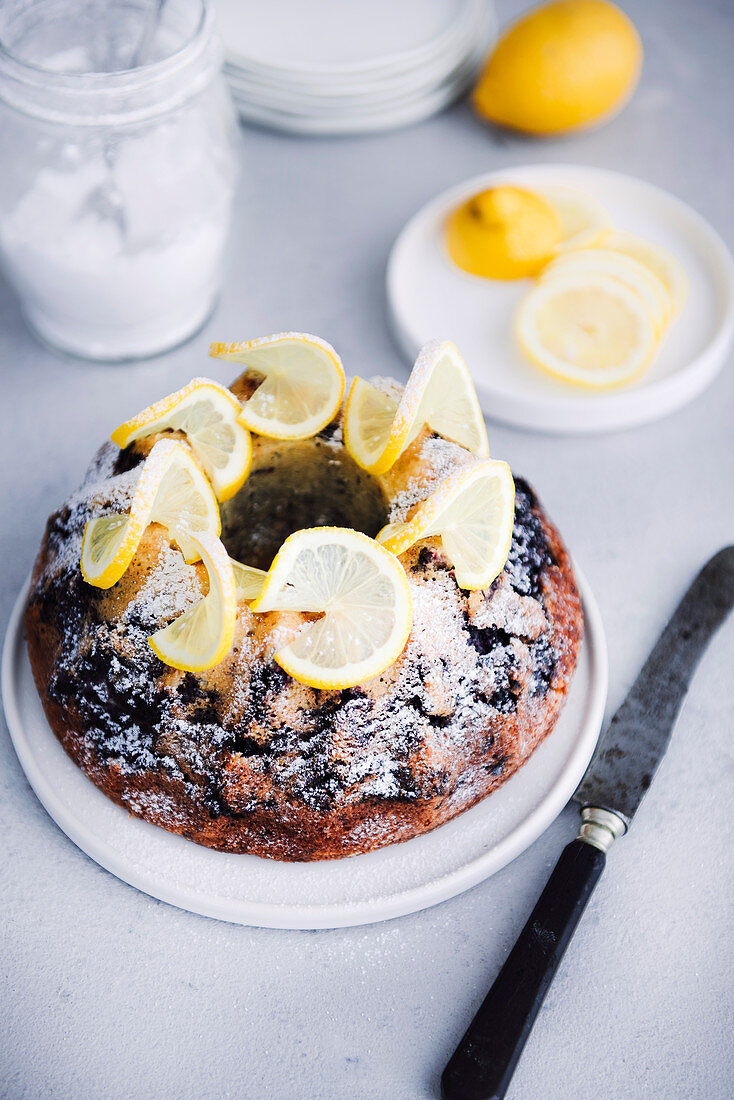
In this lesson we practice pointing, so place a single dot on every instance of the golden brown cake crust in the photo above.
(243, 759)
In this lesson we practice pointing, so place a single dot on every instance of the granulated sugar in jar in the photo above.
(118, 176)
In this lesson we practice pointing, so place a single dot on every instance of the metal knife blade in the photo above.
(635, 741)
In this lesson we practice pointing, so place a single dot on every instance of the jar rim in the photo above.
(117, 97)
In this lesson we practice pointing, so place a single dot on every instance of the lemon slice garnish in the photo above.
(203, 635)
(588, 329)
(362, 595)
(603, 261)
(207, 413)
(248, 580)
(439, 394)
(473, 513)
(583, 219)
(172, 490)
(301, 383)
(668, 270)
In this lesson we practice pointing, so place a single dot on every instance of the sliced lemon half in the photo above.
(362, 594)
(301, 387)
(661, 263)
(207, 413)
(203, 635)
(583, 219)
(587, 329)
(604, 261)
(172, 490)
(248, 580)
(473, 513)
(439, 393)
(503, 233)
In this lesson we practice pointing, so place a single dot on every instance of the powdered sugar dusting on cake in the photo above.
(171, 587)
(437, 459)
(102, 466)
(101, 493)
(388, 386)
(505, 609)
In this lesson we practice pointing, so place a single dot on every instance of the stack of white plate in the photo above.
(350, 66)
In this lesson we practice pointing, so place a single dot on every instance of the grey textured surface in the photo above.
(108, 993)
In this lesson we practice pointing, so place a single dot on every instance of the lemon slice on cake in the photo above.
(668, 270)
(473, 513)
(172, 490)
(203, 635)
(359, 590)
(439, 394)
(301, 383)
(207, 413)
(583, 220)
(587, 329)
(248, 580)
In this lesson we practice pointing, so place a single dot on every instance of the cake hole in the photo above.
(292, 485)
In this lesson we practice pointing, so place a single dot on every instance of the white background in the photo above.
(107, 993)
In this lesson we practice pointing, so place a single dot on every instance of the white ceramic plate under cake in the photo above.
(401, 878)
(429, 296)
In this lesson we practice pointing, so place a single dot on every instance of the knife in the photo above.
(620, 772)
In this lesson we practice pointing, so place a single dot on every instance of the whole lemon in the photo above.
(564, 65)
(503, 233)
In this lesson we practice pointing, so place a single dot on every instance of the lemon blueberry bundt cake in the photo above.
(282, 624)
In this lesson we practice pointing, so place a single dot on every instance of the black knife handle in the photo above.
(483, 1063)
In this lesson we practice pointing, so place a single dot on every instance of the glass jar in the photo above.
(118, 170)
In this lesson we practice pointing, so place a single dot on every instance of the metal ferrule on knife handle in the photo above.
(600, 827)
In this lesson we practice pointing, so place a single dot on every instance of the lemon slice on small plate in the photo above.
(203, 635)
(583, 219)
(301, 383)
(473, 512)
(439, 394)
(616, 265)
(362, 594)
(659, 261)
(587, 329)
(207, 413)
(172, 490)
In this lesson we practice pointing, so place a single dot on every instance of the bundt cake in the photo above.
(243, 758)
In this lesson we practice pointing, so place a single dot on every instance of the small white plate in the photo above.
(399, 879)
(429, 296)
(410, 112)
(343, 107)
(334, 39)
(379, 97)
(473, 39)
(282, 105)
